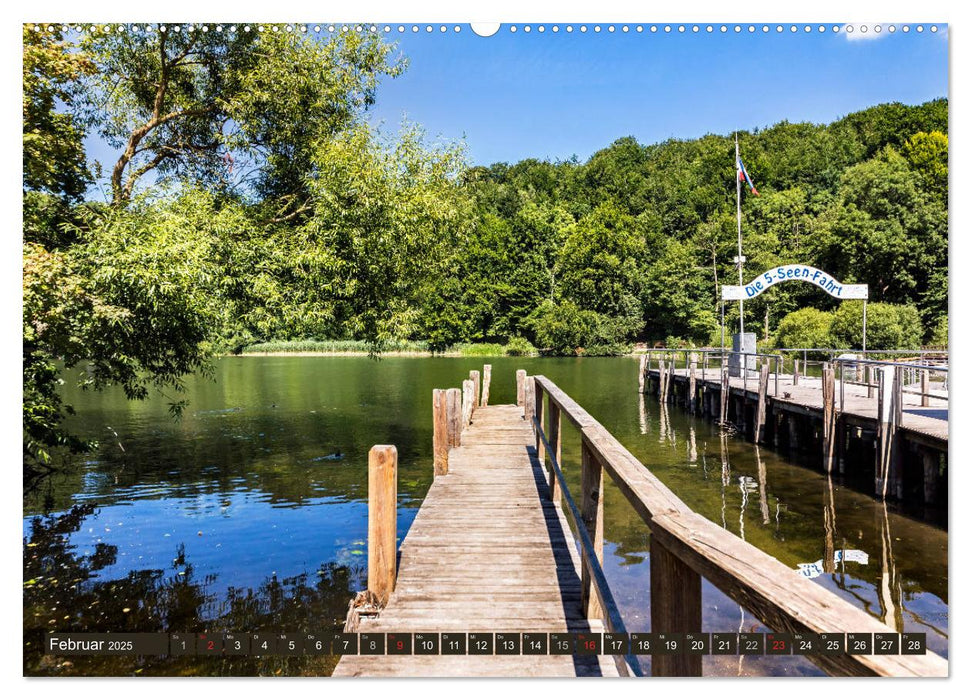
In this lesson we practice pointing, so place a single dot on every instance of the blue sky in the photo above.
(518, 95)
(554, 95)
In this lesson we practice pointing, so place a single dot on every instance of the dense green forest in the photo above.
(251, 202)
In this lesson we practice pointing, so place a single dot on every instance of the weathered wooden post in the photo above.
(555, 446)
(382, 546)
(529, 410)
(932, 470)
(897, 451)
(486, 382)
(440, 436)
(829, 416)
(925, 386)
(886, 427)
(520, 387)
(474, 376)
(760, 408)
(692, 381)
(641, 373)
(670, 381)
(723, 415)
(660, 380)
(468, 402)
(592, 510)
(675, 608)
(538, 413)
(795, 373)
(453, 406)
(793, 422)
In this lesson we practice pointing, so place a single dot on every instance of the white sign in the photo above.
(801, 273)
(816, 568)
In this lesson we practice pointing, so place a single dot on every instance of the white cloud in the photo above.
(865, 32)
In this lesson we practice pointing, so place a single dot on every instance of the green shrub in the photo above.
(939, 336)
(566, 329)
(889, 326)
(478, 349)
(805, 328)
(519, 347)
(336, 346)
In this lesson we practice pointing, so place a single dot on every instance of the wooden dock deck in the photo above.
(896, 432)
(491, 551)
(930, 422)
(488, 551)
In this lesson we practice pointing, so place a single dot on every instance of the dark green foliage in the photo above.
(566, 329)
(283, 216)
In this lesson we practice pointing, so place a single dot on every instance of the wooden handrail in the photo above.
(613, 620)
(781, 598)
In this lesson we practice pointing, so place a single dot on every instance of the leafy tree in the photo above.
(54, 160)
(927, 155)
(885, 230)
(889, 326)
(55, 172)
(186, 101)
(564, 328)
(805, 328)
(677, 297)
(384, 222)
(599, 265)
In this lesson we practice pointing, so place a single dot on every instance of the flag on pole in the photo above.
(743, 175)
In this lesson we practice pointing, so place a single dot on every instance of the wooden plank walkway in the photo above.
(930, 421)
(488, 552)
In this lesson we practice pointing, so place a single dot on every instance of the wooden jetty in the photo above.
(491, 550)
(900, 438)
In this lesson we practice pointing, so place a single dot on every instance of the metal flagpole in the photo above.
(864, 328)
(738, 210)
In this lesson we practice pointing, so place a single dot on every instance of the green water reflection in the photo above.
(235, 517)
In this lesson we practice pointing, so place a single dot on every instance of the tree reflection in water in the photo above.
(62, 592)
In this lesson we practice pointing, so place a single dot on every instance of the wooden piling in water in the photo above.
(476, 386)
(931, 462)
(453, 409)
(829, 416)
(793, 423)
(692, 382)
(529, 409)
(760, 409)
(723, 413)
(888, 408)
(660, 381)
(486, 382)
(641, 374)
(795, 373)
(382, 542)
(468, 402)
(670, 382)
(520, 387)
(440, 428)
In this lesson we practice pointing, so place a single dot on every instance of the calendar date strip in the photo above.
(480, 643)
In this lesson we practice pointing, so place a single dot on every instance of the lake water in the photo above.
(234, 517)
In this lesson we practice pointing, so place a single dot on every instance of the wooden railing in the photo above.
(685, 547)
